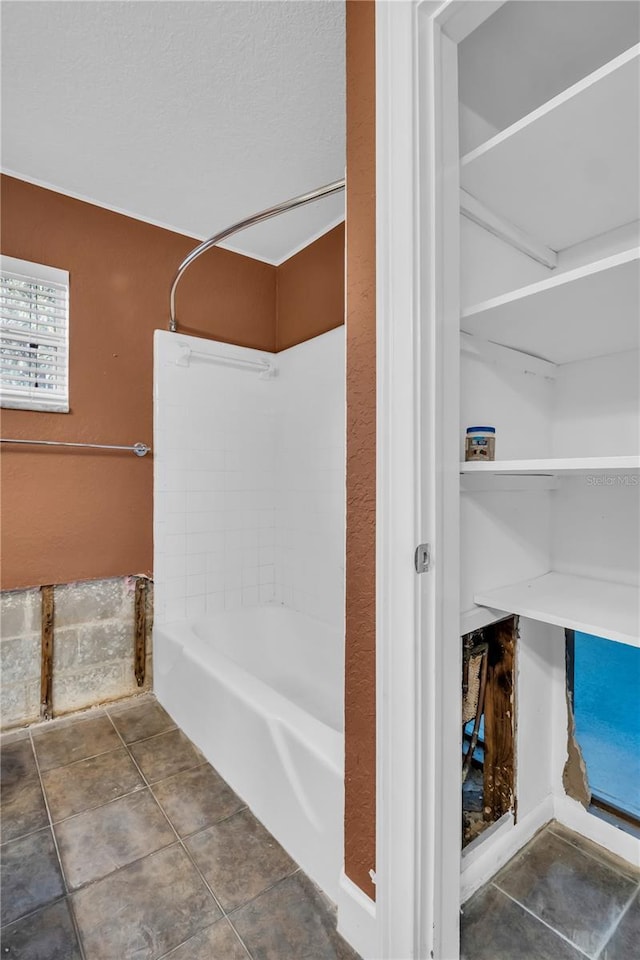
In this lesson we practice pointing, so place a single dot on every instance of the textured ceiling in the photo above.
(189, 114)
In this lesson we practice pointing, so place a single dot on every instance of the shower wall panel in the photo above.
(249, 479)
(310, 478)
(214, 524)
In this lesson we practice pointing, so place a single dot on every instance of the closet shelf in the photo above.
(598, 607)
(567, 171)
(553, 466)
(589, 311)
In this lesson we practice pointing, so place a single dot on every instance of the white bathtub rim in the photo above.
(323, 740)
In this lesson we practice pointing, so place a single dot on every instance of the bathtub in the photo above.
(260, 692)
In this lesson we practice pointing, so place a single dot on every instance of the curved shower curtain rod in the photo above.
(283, 207)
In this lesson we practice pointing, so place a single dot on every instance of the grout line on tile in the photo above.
(72, 816)
(167, 956)
(31, 913)
(63, 874)
(614, 926)
(72, 763)
(180, 773)
(242, 943)
(262, 892)
(214, 823)
(594, 855)
(154, 736)
(48, 809)
(544, 923)
(178, 837)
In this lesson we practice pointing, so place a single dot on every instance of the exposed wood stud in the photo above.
(140, 652)
(46, 666)
(499, 722)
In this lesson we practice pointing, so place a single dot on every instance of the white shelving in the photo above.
(589, 311)
(569, 170)
(553, 466)
(598, 607)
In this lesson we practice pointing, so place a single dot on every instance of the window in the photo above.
(34, 336)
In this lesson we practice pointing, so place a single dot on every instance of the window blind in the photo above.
(34, 336)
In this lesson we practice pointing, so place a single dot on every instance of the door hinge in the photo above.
(423, 557)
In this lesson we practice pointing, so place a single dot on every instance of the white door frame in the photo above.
(418, 656)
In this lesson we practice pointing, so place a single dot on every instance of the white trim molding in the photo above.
(357, 919)
(396, 589)
(418, 652)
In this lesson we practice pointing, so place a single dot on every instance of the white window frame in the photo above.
(39, 273)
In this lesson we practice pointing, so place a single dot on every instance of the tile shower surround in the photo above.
(249, 481)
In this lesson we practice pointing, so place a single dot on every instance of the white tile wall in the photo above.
(249, 480)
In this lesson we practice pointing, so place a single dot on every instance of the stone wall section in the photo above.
(94, 641)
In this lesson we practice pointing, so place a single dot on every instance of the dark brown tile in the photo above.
(145, 909)
(11, 736)
(218, 942)
(291, 920)
(90, 783)
(100, 841)
(625, 941)
(137, 721)
(46, 935)
(239, 858)
(165, 755)
(196, 799)
(22, 807)
(74, 739)
(493, 927)
(593, 850)
(572, 892)
(16, 762)
(30, 875)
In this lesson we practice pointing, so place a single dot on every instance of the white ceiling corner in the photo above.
(188, 114)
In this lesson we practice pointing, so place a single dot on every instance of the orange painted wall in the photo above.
(360, 704)
(310, 290)
(74, 515)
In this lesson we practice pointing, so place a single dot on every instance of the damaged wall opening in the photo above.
(603, 680)
(488, 718)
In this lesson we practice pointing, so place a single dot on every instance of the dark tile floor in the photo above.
(560, 898)
(119, 842)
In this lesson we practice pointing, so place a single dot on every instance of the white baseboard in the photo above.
(357, 919)
(490, 853)
(573, 815)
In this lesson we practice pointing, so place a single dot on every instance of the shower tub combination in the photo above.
(260, 692)
(249, 567)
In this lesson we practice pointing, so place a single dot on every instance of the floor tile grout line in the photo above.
(184, 846)
(271, 886)
(153, 736)
(63, 874)
(177, 835)
(23, 836)
(614, 926)
(178, 946)
(594, 855)
(50, 818)
(123, 796)
(73, 763)
(544, 923)
(63, 898)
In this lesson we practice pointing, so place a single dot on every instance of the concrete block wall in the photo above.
(93, 658)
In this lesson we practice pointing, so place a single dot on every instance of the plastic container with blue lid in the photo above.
(480, 443)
